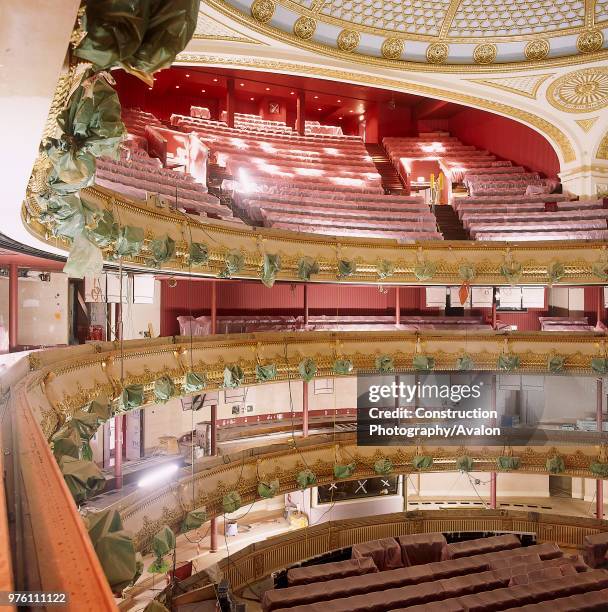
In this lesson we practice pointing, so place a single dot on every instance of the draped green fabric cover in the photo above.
(555, 465)
(385, 364)
(233, 376)
(306, 478)
(164, 389)
(67, 213)
(105, 232)
(422, 462)
(84, 478)
(555, 272)
(114, 547)
(346, 268)
(423, 362)
(101, 407)
(343, 366)
(385, 268)
(599, 469)
(599, 365)
(511, 271)
(307, 266)
(508, 362)
(264, 373)
(268, 488)
(85, 259)
(344, 471)
(92, 127)
(600, 269)
(425, 271)
(383, 466)
(86, 425)
(466, 272)
(555, 364)
(162, 249)
(194, 519)
(233, 264)
(307, 369)
(199, 253)
(163, 542)
(464, 463)
(195, 382)
(270, 268)
(159, 566)
(507, 463)
(231, 502)
(155, 606)
(130, 240)
(66, 442)
(132, 396)
(141, 36)
(464, 363)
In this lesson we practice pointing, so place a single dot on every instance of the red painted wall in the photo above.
(505, 138)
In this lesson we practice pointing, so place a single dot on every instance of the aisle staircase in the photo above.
(391, 182)
(449, 223)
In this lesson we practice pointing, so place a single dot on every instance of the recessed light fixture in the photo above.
(242, 84)
(268, 89)
(316, 97)
(351, 111)
(215, 80)
(188, 76)
(203, 90)
(150, 88)
(154, 78)
(292, 93)
(339, 117)
(361, 117)
(177, 87)
(339, 100)
(319, 109)
(252, 99)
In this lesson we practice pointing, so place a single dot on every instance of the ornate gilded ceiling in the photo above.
(435, 32)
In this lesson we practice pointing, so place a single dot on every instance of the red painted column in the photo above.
(301, 113)
(304, 409)
(493, 424)
(13, 307)
(230, 102)
(305, 304)
(600, 304)
(493, 312)
(397, 306)
(213, 523)
(599, 483)
(118, 436)
(371, 124)
(213, 307)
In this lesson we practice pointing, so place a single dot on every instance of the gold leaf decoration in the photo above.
(437, 53)
(537, 49)
(304, 27)
(484, 53)
(392, 48)
(348, 40)
(590, 42)
(263, 10)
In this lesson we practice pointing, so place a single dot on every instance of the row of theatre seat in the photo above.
(422, 572)
(322, 184)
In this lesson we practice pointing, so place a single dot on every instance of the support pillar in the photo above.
(599, 305)
(301, 113)
(306, 305)
(213, 522)
(493, 424)
(493, 309)
(493, 491)
(13, 307)
(118, 449)
(599, 483)
(213, 307)
(397, 306)
(371, 124)
(230, 102)
(304, 409)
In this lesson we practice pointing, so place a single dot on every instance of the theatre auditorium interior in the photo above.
(304, 305)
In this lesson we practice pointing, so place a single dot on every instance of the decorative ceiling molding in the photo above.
(602, 150)
(208, 28)
(581, 91)
(586, 124)
(527, 86)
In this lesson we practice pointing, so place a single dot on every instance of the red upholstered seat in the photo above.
(386, 553)
(420, 548)
(595, 549)
(482, 545)
(330, 571)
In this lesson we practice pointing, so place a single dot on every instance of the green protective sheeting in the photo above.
(556, 364)
(423, 362)
(130, 240)
(68, 214)
(159, 566)
(233, 264)
(511, 271)
(385, 268)
(507, 463)
(163, 541)
(264, 373)
(307, 369)
(466, 272)
(105, 232)
(85, 259)
(343, 366)
(102, 522)
(162, 249)
(231, 502)
(555, 465)
(164, 389)
(84, 478)
(465, 363)
(132, 396)
(599, 469)
(425, 271)
(199, 253)
(555, 272)
(600, 269)
(67, 442)
(344, 471)
(307, 266)
(385, 364)
(100, 407)
(306, 478)
(92, 127)
(346, 268)
(270, 269)
(268, 488)
(194, 519)
(383, 466)
(233, 376)
(86, 423)
(464, 464)
(155, 606)
(508, 362)
(195, 382)
(599, 365)
(422, 462)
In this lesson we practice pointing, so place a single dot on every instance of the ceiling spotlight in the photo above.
(177, 87)
(203, 90)
(319, 109)
(339, 100)
(268, 89)
(252, 99)
(361, 117)
(215, 80)
(316, 97)
(150, 88)
(340, 117)
(351, 111)
(292, 93)
(154, 78)
(242, 84)
(188, 76)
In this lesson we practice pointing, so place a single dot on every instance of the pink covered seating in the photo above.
(595, 601)
(595, 549)
(420, 548)
(386, 553)
(482, 545)
(312, 574)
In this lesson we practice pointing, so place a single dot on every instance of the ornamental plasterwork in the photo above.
(537, 49)
(602, 151)
(208, 28)
(527, 86)
(580, 91)
(586, 124)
